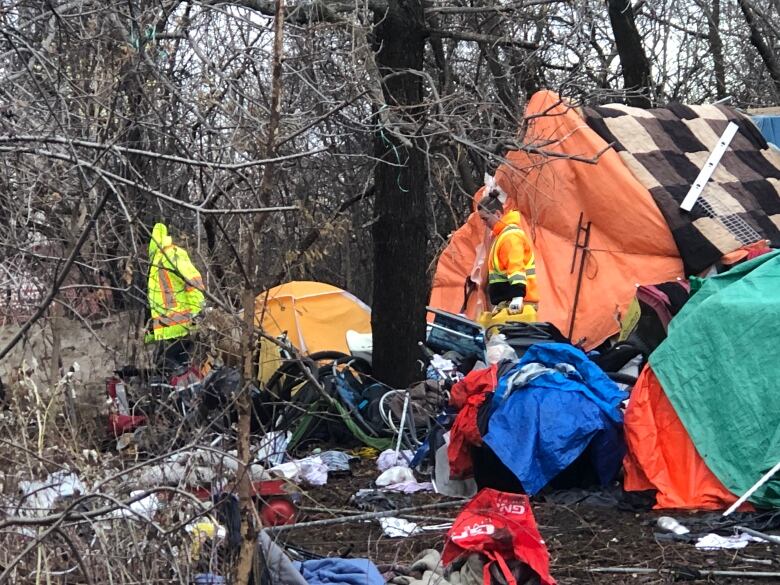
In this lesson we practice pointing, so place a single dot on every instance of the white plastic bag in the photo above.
(498, 350)
(394, 475)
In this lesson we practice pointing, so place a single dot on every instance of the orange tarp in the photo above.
(662, 456)
(630, 243)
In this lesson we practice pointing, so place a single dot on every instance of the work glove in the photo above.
(516, 306)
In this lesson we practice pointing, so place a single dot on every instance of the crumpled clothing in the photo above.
(279, 568)
(428, 569)
(443, 483)
(336, 460)
(425, 399)
(717, 542)
(310, 470)
(530, 372)
(374, 500)
(468, 395)
(410, 487)
(334, 571)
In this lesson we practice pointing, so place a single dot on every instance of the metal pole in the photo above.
(583, 259)
(765, 478)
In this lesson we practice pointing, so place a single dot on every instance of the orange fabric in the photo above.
(630, 242)
(514, 254)
(662, 456)
(314, 315)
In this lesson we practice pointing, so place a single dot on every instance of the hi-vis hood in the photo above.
(160, 239)
(509, 218)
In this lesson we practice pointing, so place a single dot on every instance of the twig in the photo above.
(161, 156)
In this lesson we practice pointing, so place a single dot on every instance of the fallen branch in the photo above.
(367, 516)
(686, 572)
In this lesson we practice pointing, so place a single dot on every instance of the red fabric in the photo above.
(502, 527)
(468, 395)
(662, 456)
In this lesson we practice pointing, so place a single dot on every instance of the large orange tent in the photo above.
(568, 170)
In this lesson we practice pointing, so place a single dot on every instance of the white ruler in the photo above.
(709, 167)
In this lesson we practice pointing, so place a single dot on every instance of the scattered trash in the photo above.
(309, 470)
(196, 467)
(40, 497)
(717, 542)
(401, 479)
(398, 527)
(498, 350)
(273, 447)
(143, 509)
(389, 458)
(395, 475)
(202, 531)
(671, 525)
(367, 499)
(336, 460)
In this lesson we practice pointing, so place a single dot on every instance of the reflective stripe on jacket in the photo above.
(175, 287)
(512, 257)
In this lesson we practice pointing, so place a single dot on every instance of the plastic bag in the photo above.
(497, 350)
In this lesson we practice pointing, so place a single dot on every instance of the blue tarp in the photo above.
(540, 428)
(340, 572)
(770, 128)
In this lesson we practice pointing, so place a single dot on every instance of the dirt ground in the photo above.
(580, 537)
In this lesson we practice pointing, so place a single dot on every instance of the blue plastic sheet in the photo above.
(542, 427)
(770, 128)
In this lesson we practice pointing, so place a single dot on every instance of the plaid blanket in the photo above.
(666, 148)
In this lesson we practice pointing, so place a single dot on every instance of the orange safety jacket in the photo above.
(512, 258)
(175, 288)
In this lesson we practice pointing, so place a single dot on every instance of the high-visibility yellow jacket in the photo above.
(512, 266)
(175, 288)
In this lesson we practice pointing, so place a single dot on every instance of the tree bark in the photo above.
(716, 48)
(633, 60)
(250, 521)
(400, 227)
(757, 39)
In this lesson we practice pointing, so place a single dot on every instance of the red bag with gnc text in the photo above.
(502, 527)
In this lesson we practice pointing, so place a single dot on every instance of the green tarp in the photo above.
(720, 368)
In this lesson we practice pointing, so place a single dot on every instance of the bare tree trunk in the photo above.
(400, 228)
(633, 61)
(757, 39)
(250, 522)
(716, 48)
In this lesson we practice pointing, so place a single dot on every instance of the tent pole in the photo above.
(765, 478)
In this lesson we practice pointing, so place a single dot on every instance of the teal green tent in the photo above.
(720, 368)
